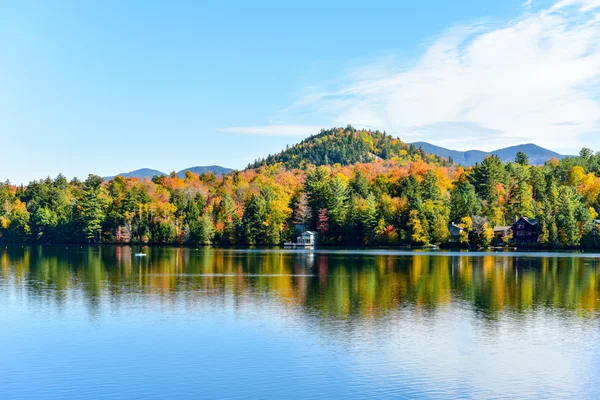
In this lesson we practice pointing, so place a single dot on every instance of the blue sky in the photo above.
(110, 86)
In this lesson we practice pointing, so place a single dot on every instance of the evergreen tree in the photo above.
(464, 201)
(486, 176)
(92, 208)
(368, 218)
(566, 221)
(430, 187)
(522, 158)
(202, 231)
(253, 220)
(360, 185)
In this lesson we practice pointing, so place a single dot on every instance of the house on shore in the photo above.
(596, 227)
(502, 232)
(525, 231)
(455, 232)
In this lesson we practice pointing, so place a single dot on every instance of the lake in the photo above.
(97, 322)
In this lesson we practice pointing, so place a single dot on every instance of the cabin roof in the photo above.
(501, 228)
(530, 221)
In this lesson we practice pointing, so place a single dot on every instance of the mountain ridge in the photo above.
(348, 146)
(149, 173)
(537, 154)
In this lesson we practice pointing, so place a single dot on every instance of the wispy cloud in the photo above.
(274, 130)
(532, 79)
(584, 5)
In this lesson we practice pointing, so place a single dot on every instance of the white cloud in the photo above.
(274, 130)
(584, 5)
(532, 79)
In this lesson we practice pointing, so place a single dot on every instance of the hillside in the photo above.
(344, 146)
(537, 155)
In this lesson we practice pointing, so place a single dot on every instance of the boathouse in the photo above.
(307, 238)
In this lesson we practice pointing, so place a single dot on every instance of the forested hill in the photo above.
(346, 146)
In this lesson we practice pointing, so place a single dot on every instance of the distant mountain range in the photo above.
(347, 146)
(150, 173)
(537, 155)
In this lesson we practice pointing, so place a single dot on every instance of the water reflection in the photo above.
(87, 322)
(331, 285)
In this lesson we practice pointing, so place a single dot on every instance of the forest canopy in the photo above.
(353, 187)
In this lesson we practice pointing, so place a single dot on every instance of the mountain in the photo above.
(139, 173)
(344, 146)
(537, 155)
(150, 173)
(215, 169)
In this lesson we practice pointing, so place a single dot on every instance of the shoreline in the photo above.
(321, 248)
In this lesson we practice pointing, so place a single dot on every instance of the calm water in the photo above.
(184, 323)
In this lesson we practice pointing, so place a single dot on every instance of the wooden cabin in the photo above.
(525, 230)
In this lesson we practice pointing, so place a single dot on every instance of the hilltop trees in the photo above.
(345, 147)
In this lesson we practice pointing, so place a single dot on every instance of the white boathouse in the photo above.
(307, 240)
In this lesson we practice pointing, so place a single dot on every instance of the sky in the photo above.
(106, 87)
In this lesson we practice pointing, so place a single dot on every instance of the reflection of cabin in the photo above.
(455, 232)
(525, 230)
(307, 240)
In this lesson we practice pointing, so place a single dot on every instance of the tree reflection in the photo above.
(337, 285)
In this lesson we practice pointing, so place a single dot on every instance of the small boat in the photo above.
(140, 254)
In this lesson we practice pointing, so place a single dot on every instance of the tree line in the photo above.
(406, 199)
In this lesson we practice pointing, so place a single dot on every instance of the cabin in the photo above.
(596, 227)
(455, 231)
(525, 230)
(501, 231)
(306, 240)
